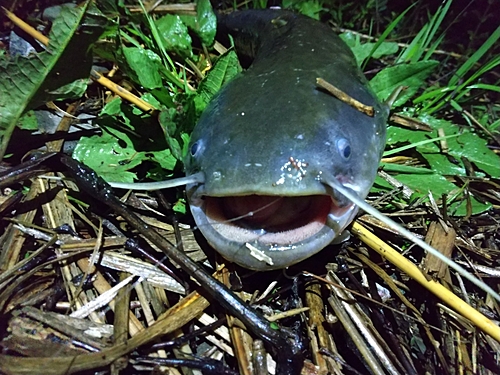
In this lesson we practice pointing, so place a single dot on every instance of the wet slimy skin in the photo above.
(267, 138)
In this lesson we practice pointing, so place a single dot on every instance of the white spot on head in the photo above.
(217, 175)
(243, 113)
(293, 171)
(254, 164)
(299, 136)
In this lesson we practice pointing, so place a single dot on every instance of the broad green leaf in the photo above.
(113, 154)
(351, 39)
(204, 24)
(28, 121)
(185, 141)
(180, 207)
(74, 89)
(409, 75)
(113, 108)
(423, 183)
(29, 82)
(397, 135)
(459, 208)
(438, 185)
(311, 8)
(164, 158)
(163, 96)
(108, 156)
(150, 99)
(467, 144)
(129, 138)
(362, 51)
(146, 66)
(175, 35)
(225, 69)
(166, 120)
(444, 165)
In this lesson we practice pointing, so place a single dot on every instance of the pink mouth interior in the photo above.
(270, 219)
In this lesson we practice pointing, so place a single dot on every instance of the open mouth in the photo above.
(272, 220)
(265, 232)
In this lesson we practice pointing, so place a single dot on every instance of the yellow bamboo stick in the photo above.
(460, 306)
(26, 28)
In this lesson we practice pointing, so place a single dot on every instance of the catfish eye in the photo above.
(344, 148)
(194, 148)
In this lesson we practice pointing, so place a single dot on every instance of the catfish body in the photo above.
(268, 136)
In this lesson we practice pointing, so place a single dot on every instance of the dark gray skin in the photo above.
(267, 138)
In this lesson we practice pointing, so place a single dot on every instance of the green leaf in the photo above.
(362, 51)
(225, 69)
(28, 121)
(163, 96)
(467, 144)
(311, 8)
(185, 141)
(129, 138)
(180, 207)
(113, 108)
(166, 120)
(109, 157)
(438, 185)
(113, 154)
(409, 75)
(423, 183)
(459, 208)
(204, 24)
(175, 35)
(150, 99)
(443, 165)
(29, 82)
(73, 89)
(146, 66)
